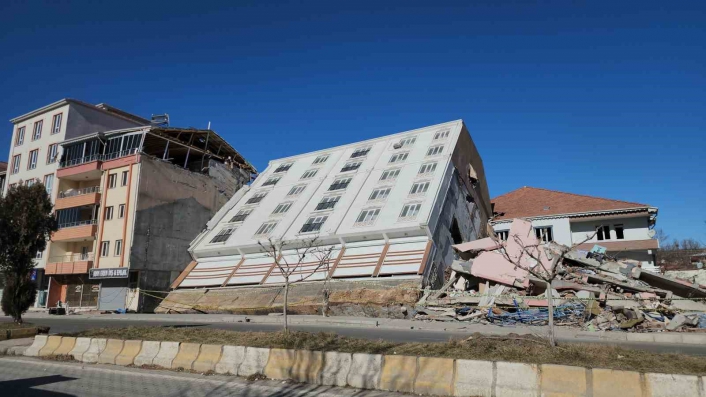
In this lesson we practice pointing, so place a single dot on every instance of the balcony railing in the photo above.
(116, 155)
(97, 157)
(78, 223)
(79, 192)
(72, 258)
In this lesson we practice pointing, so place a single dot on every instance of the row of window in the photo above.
(113, 180)
(48, 183)
(109, 212)
(52, 157)
(37, 130)
(544, 233)
(105, 248)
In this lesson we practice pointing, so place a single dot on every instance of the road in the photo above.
(71, 324)
(21, 376)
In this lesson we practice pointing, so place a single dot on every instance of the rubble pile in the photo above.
(506, 283)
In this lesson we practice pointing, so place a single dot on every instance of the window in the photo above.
(351, 166)
(389, 175)
(406, 142)
(368, 217)
(327, 203)
(121, 211)
(241, 215)
(39, 255)
(52, 153)
(266, 228)
(309, 174)
(441, 135)
(118, 247)
(256, 198)
(282, 208)
(313, 224)
(32, 163)
(360, 152)
(379, 194)
(603, 232)
(619, 232)
(340, 184)
(123, 179)
(108, 213)
(321, 159)
(56, 124)
(16, 163)
(20, 138)
(503, 235)
(223, 235)
(419, 188)
(398, 158)
(427, 168)
(410, 211)
(37, 130)
(30, 182)
(544, 233)
(105, 248)
(296, 190)
(49, 183)
(112, 180)
(271, 181)
(434, 150)
(283, 167)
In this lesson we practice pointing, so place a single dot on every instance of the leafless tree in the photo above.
(296, 261)
(662, 237)
(542, 261)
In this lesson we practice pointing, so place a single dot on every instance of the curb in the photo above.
(18, 333)
(410, 374)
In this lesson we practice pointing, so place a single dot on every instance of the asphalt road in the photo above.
(77, 324)
(38, 378)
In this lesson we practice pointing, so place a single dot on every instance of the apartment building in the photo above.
(35, 149)
(129, 203)
(624, 228)
(389, 208)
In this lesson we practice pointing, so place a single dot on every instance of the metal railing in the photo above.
(116, 155)
(89, 256)
(82, 160)
(79, 192)
(78, 223)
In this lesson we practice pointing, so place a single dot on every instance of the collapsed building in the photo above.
(388, 209)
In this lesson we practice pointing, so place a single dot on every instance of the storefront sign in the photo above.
(120, 272)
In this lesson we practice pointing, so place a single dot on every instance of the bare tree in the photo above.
(296, 261)
(662, 237)
(542, 261)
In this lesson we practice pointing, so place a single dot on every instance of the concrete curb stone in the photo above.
(666, 385)
(231, 359)
(167, 352)
(254, 361)
(209, 356)
(52, 344)
(435, 376)
(280, 364)
(398, 373)
(188, 353)
(365, 371)
(336, 368)
(517, 380)
(80, 348)
(66, 346)
(308, 366)
(94, 350)
(474, 378)
(39, 342)
(112, 349)
(562, 380)
(147, 353)
(131, 349)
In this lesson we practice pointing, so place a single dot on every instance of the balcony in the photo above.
(88, 167)
(78, 197)
(69, 264)
(76, 231)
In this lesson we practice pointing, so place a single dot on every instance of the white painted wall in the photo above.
(634, 228)
(561, 228)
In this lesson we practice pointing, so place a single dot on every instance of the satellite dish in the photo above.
(651, 233)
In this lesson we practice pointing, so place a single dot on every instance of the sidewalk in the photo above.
(398, 324)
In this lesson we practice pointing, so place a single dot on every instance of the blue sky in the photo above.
(598, 98)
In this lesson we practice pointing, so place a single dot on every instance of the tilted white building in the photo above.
(390, 207)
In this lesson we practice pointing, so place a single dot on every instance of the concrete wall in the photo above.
(635, 228)
(561, 228)
(173, 206)
(83, 120)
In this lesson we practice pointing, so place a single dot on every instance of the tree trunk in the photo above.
(286, 301)
(324, 310)
(550, 306)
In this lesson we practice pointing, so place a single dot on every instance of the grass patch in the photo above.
(514, 348)
(4, 326)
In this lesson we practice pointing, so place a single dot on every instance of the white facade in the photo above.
(376, 202)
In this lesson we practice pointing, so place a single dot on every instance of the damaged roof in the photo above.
(527, 202)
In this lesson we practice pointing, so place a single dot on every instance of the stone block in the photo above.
(693, 339)
(66, 346)
(516, 380)
(336, 368)
(666, 385)
(208, 358)
(231, 359)
(188, 353)
(17, 350)
(111, 351)
(21, 333)
(280, 363)
(52, 344)
(563, 381)
(148, 352)
(474, 378)
(254, 362)
(167, 352)
(39, 342)
(307, 366)
(80, 348)
(94, 350)
(608, 383)
(398, 373)
(365, 371)
(667, 337)
(435, 376)
(131, 348)
(640, 337)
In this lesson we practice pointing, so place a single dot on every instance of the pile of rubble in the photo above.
(506, 283)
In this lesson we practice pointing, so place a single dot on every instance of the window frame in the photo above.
(360, 152)
(377, 192)
(123, 178)
(361, 220)
(602, 231)
(351, 166)
(284, 205)
(256, 198)
(434, 150)
(105, 249)
(52, 159)
(121, 211)
(619, 231)
(118, 247)
(108, 213)
(395, 171)
(284, 167)
(271, 181)
(503, 235)
(308, 174)
(243, 211)
(321, 159)
(427, 167)
(295, 190)
(112, 180)
(226, 232)
(311, 221)
(16, 161)
(266, 228)
(440, 135)
(37, 130)
(541, 236)
(49, 187)
(407, 208)
(20, 136)
(417, 186)
(33, 154)
(407, 141)
(398, 158)
(54, 128)
(339, 181)
(327, 200)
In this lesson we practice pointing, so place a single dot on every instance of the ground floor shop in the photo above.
(109, 289)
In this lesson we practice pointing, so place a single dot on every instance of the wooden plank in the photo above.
(338, 260)
(242, 259)
(425, 258)
(183, 274)
(381, 260)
